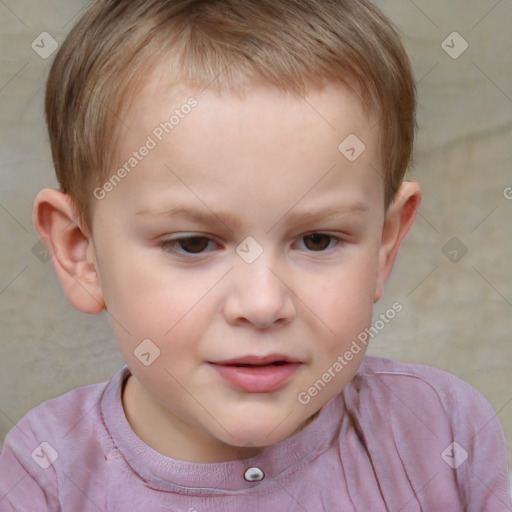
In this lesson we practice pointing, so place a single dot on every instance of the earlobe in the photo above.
(71, 248)
(399, 219)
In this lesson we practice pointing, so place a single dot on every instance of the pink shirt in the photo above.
(384, 444)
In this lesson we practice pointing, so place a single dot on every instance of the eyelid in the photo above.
(330, 235)
(167, 243)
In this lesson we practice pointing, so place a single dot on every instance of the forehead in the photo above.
(263, 145)
(330, 105)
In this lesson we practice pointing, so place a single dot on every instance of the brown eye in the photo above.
(317, 241)
(193, 244)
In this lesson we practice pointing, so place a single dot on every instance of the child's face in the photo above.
(266, 167)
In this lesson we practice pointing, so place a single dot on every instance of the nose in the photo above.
(258, 296)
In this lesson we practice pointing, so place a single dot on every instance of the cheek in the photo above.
(148, 295)
(343, 298)
(171, 308)
(343, 303)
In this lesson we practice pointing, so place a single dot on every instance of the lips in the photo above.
(257, 374)
(254, 360)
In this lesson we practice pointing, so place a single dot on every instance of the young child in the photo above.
(232, 194)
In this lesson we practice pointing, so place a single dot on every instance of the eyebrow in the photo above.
(233, 222)
(320, 214)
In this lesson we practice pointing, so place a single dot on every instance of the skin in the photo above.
(262, 159)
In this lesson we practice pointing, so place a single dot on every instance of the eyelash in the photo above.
(170, 244)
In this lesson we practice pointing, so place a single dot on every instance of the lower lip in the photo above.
(257, 379)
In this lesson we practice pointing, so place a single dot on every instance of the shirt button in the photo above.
(254, 475)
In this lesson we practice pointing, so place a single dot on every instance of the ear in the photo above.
(399, 218)
(71, 248)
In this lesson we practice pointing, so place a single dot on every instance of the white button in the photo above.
(254, 475)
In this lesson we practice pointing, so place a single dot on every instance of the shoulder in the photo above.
(62, 436)
(70, 420)
(424, 387)
(430, 394)
(424, 421)
(74, 409)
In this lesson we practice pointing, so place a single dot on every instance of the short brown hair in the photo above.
(223, 44)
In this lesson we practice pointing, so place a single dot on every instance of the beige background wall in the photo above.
(457, 314)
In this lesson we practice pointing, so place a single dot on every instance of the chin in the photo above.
(256, 440)
(260, 434)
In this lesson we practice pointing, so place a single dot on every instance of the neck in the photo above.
(169, 435)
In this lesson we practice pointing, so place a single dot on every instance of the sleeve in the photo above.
(27, 480)
(434, 441)
(479, 457)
